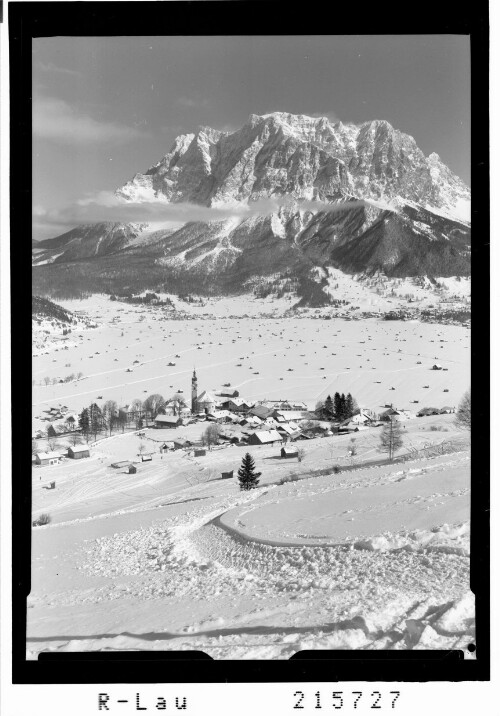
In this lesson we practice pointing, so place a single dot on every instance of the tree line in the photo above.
(342, 407)
(94, 420)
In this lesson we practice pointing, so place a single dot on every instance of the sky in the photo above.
(105, 108)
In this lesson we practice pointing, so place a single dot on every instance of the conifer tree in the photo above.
(247, 476)
(84, 422)
(349, 406)
(342, 407)
(51, 433)
(95, 419)
(337, 406)
(329, 407)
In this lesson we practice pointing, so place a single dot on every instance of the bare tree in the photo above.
(69, 423)
(109, 411)
(74, 439)
(122, 419)
(53, 445)
(463, 416)
(391, 438)
(153, 403)
(210, 435)
(34, 447)
(177, 402)
(300, 454)
(46, 380)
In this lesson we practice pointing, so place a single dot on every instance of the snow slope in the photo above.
(172, 575)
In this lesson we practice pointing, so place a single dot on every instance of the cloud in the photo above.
(105, 206)
(189, 102)
(58, 121)
(51, 67)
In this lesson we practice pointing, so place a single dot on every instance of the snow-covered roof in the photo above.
(240, 401)
(167, 418)
(48, 455)
(268, 436)
(290, 414)
(289, 428)
(207, 397)
(289, 450)
(79, 448)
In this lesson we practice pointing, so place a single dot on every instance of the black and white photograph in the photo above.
(251, 330)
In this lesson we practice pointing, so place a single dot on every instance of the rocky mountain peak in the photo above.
(280, 153)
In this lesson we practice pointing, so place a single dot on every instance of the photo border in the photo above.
(28, 20)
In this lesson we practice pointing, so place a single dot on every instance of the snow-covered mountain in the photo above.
(282, 154)
(400, 211)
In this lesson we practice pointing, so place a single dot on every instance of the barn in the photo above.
(47, 458)
(180, 443)
(168, 421)
(289, 452)
(131, 469)
(78, 451)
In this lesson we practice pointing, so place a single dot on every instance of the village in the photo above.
(222, 417)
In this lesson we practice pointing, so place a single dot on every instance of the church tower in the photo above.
(194, 393)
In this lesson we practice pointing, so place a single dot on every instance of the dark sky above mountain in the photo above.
(104, 108)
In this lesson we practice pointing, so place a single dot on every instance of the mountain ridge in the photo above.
(358, 197)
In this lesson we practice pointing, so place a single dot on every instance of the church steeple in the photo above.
(194, 392)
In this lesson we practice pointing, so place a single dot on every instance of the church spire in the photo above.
(194, 392)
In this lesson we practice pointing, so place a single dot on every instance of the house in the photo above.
(251, 420)
(447, 409)
(168, 445)
(146, 457)
(288, 429)
(200, 453)
(180, 443)
(264, 437)
(227, 475)
(289, 452)
(427, 411)
(269, 422)
(304, 436)
(362, 417)
(237, 405)
(221, 416)
(261, 411)
(78, 451)
(131, 469)
(47, 458)
(168, 421)
(437, 366)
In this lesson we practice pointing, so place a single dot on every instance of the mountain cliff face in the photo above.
(301, 160)
(288, 155)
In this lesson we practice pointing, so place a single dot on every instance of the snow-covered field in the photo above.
(173, 557)
(379, 362)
